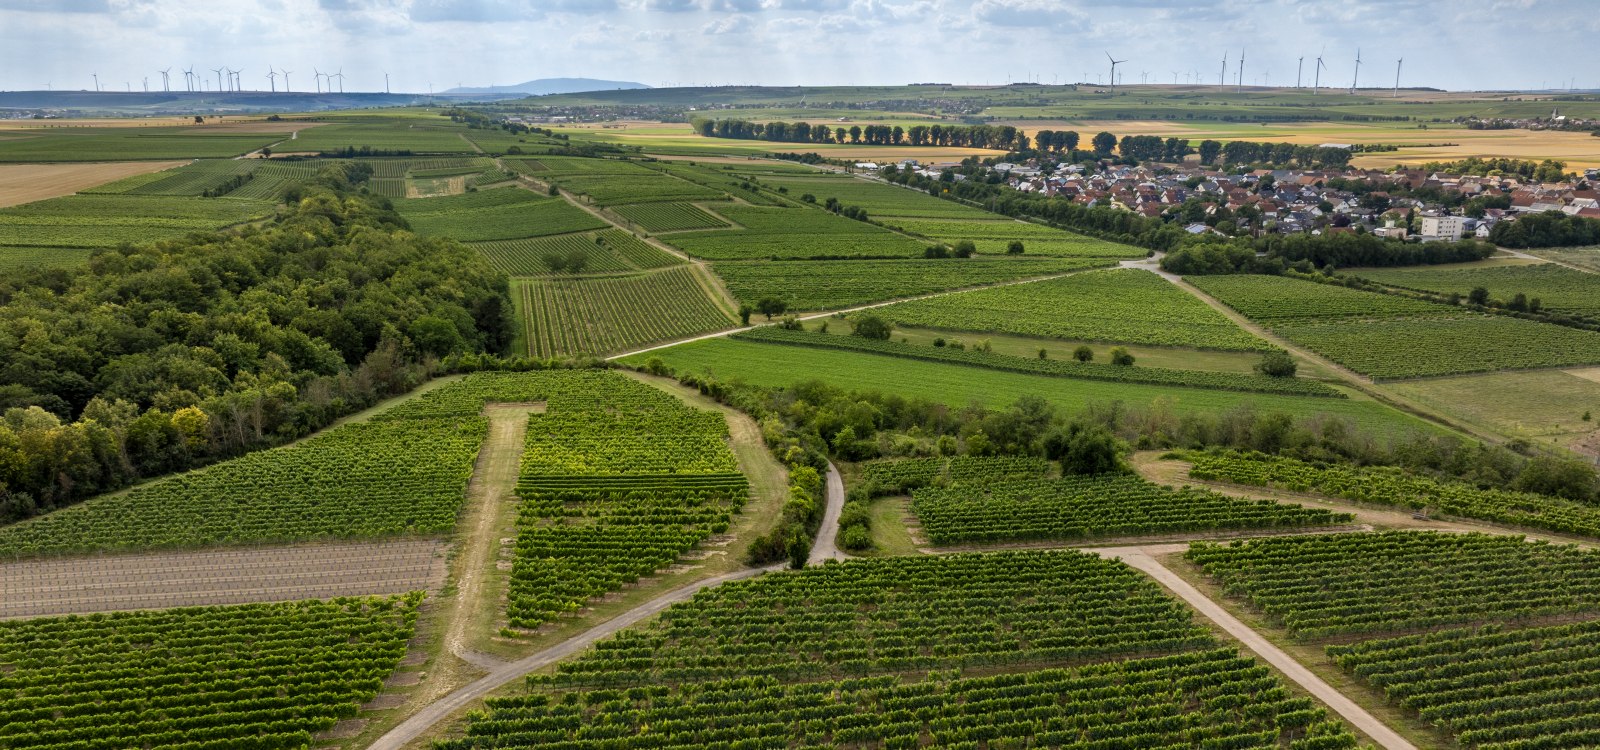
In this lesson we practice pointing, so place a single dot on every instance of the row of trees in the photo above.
(161, 357)
(1547, 229)
(1001, 137)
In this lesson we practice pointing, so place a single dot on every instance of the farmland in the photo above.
(829, 284)
(1556, 287)
(261, 675)
(609, 314)
(606, 251)
(1124, 306)
(25, 183)
(500, 214)
(668, 217)
(89, 221)
(61, 144)
(992, 512)
(1385, 336)
(791, 233)
(961, 385)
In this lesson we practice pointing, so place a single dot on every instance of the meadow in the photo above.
(1556, 288)
(960, 385)
(1124, 306)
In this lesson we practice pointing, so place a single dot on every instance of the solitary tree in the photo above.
(965, 249)
(770, 306)
(873, 327)
(1014, 247)
(1120, 356)
(1277, 365)
(1478, 296)
(1085, 448)
(1083, 353)
(744, 315)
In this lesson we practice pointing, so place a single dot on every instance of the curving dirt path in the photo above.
(1140, 558)
(826, 547)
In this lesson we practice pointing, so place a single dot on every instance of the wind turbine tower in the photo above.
(96, 82)
(1357, 78)
(1298, 70)
(1222, 76)
(1397, 64)
(188, 79)
(286, 81)
(1318, 84)
(218, 71)
(340, 76)
(272, 78)
(1114, 63)
(316, 78)
(385, 81)
(1241, 71)
(166, 83)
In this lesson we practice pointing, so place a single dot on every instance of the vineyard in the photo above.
(1555, 287)
(1226, 381)
(124, 144)
(499, 214)
(358, 480)
(1385, 336)
(829, 284)
(614, 491)
(108, 220)
(790, 233)
(1124, 306)
(19, 258)
(893, 477)
(606, 251)
(1387, 485)
(608, 314)
(878, 199)
(1491, 687)
(1347, 584)
(255, 676)
(667, 217)
(383, 134)
(1069, 650)
(1081, 507)
(722, 179)
(611, 190)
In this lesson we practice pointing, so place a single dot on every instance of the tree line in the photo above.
(1546, 229)
(1000, 137)
(161, 357)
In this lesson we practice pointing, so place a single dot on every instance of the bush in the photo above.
(965, 249)
(1120, 356)
(1083, 354)
(1014, 247)
(855, 539)
(1277, 365)
(1085, 448)
(873, 327)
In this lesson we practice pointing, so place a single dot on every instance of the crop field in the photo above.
(611, 190)
(1541, 404)
(790, 233)
(1555, 287)
(668, 217)
(1125, 306)
(963, 385)
(877, 198)
(500, 214)
(79, 221)
(1390, 582)
(993, 236)
(898, 476)
(33, 588)
(723, 179)
(1385, 336)
(193, 179)
(990, 512)
(1085, 644)
(603, 315)
(1387, 485)
(1586, 258)
(257, 676)
(382, 135)
(26, 183)
(1056, 367)
(60, 144)
(18, 258)
(830, 284)
(610, 250)
(1490, 687)
(358, 480)
(614, 492)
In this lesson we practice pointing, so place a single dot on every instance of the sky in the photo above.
(1451, 44)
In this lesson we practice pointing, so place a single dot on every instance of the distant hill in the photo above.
(544, 86)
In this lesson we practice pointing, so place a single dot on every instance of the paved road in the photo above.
(1380, 733)
(827, 545)
(437, 711)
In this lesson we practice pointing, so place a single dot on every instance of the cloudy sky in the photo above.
(1455, 44)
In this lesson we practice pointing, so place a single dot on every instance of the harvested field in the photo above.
(79, 585)
(25, 183)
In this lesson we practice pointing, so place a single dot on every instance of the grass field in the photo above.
(379, 134)
(1556, 288)
(1543, 405)
(1587, 258)
(1125, 306)
(609, 314)
(64, 144)
(830, 284)
(777, 365)
(17, 258)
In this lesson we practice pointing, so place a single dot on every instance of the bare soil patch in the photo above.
(25, 183)
(78, 585)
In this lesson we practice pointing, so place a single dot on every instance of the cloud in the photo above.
(1026, 14)
(729, 25)
(653, 35)
(671, 6)
(57, 6)
(481, 11)
(737, 6)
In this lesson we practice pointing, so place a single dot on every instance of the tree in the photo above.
(872, 327)
(1277, 365)
(770, 306)
(1083, 353)
(1103, 143)
(1567, 478)
(1014, 247)
(1085, 447)
(965, 249)
(1209, 151)
(936, 251)
(798, 548)
(744, 314)
(1478, 296)
(1044, 353)
(1121, 356)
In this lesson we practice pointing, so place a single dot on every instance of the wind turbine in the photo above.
(1241, 70)
(147, 84)
(188, 79)
(1397, 64)
(1222, 77)
(238, 80)
(1318, 81)
(96, 82)
(1298, 70)
(286, 81)
(166, 83)
(218, 71)
(272, 78)
(385, 81)
(340, 76)
(1357, 78)
(317, 79)
(1174, 77)
(1114, 63)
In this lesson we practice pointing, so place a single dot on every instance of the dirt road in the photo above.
(826, 546)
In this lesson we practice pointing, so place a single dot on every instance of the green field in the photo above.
(606, 251)
(790, 233)
(59, 143)
(384, 135)
(1555, 287)
(18, 258)
(609, 314)
(79, 221)
(499, 214)
(668, 217)
(959, 385)
(831, 284)
(1386, 336)
(1123, 306)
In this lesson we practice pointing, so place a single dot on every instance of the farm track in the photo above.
(826, 546)
(161, 580)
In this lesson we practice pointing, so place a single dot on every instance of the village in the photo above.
(1407, 204)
